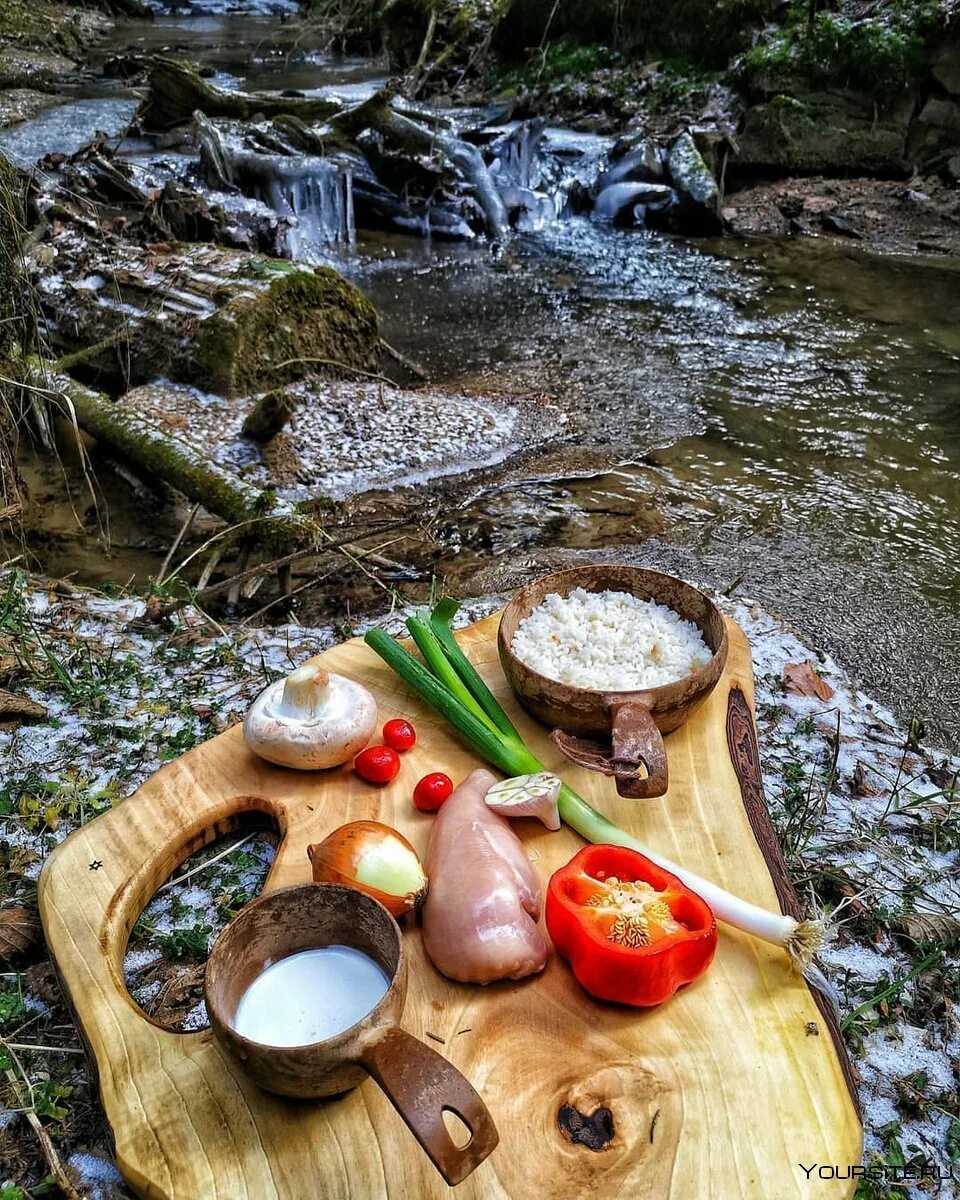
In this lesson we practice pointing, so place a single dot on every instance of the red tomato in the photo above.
(431, 791)
(377, 764)
(399, 735)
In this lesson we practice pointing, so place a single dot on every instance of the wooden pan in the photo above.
(633, 722)
(719, 1094)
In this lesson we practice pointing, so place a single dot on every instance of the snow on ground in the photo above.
(868, 820)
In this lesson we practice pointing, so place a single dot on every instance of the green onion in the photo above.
(443, 613)
(454, 689)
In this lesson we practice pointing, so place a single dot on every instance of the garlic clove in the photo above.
(527, 796)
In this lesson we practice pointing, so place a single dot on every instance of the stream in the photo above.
(775, 418)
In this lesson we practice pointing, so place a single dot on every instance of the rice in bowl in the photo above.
(609, 641)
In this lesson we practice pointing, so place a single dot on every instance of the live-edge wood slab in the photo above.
(719, 1094)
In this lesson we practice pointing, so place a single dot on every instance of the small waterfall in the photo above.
(316, 196)
(536, 170)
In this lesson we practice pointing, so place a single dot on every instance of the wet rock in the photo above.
(629, 203)
(946, 63)
(126, 66)
(936, 129)
(698, 204)
(644, 163)
(830, 223)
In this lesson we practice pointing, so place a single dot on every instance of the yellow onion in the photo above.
(375, 859)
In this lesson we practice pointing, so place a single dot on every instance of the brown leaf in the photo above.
(19, 929)
(42, 982)
(801, 679)
(861, 781)
(19, 708)
(930, 927)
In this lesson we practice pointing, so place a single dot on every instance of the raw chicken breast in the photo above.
(480, 917)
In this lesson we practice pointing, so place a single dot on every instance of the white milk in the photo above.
(310, 996)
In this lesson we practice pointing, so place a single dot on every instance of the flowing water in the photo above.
(778, 417)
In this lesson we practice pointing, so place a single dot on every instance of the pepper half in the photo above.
(632, 932)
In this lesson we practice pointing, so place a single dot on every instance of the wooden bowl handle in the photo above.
(636, 743)
(421, 1085)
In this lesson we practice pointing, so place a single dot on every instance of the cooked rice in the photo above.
(609, 640)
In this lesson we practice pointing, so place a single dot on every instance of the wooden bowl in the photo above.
(631, 723)
(419, 1082)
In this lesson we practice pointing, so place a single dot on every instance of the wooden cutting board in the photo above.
(721, 1093)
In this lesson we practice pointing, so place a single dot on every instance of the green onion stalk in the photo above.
(450, 684)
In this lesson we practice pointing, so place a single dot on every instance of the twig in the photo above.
(46, 1145)
(288, 596)
(413, 367)
(203, 866)
(333, 362)
(260, 569)
(184, 530)
(44, 1049)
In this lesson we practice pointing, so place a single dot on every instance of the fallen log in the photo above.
(122, 314)
(264, 516)
(413, 139)
(177, 92)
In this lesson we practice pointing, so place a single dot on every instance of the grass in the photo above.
(876, 1009)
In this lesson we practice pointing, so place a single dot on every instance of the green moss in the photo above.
(40, 27)
(879, 54)
(301, 324)
(679, 85)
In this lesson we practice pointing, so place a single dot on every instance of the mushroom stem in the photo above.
(305, 694)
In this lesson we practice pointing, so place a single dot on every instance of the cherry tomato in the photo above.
(431, 791)
(399, 735)
(377, 764)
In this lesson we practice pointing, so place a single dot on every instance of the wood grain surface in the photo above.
(719, 1094)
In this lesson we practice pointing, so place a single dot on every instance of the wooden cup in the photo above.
(419, 1082)
(631, 722)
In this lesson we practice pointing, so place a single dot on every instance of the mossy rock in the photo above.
(830, 132)
(303, 323)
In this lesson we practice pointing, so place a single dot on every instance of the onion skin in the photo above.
(374, 858)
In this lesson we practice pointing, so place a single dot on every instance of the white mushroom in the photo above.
(311, 719)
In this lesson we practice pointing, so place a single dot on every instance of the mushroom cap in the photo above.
(346, 724)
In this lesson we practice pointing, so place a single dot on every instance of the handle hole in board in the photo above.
(460, 1132)
(167, 950)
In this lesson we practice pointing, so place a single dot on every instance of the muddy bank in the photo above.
(44, 48)
(920, 216)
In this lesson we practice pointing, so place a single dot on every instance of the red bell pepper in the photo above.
(631, 931)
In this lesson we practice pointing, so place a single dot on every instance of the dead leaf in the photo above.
(861, 781)
(801, 679)
(930, 927)
(19, 708)
(42, 982)
(19, 929)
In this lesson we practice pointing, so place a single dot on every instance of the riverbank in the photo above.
(45, 47)
(867, 817)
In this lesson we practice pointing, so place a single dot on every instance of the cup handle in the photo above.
(636, 743)
(421, 1085)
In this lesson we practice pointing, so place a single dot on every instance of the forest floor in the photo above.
(868, 819)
